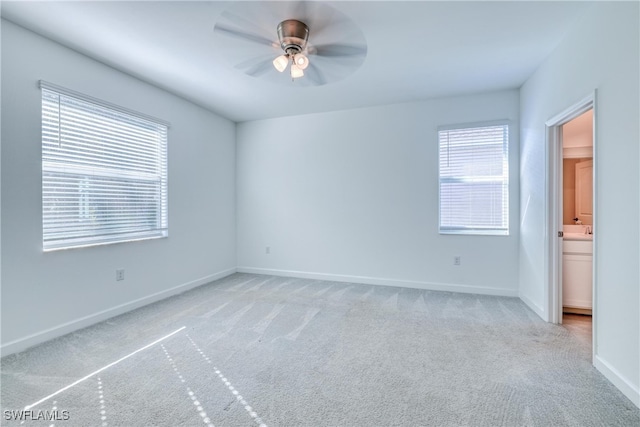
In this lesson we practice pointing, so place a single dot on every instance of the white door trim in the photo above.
(553, 214)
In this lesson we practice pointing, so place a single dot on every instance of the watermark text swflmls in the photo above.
(40, 415)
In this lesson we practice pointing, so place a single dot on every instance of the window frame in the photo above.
(470, 230)
(160, 166)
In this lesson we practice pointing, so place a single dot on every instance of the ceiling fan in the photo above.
(311, 39)
(293, 36)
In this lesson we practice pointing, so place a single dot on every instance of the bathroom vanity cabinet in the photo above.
(577, 274)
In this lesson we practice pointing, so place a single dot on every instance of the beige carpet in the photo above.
(261, 350)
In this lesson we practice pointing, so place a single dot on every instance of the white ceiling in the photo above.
(416, 49)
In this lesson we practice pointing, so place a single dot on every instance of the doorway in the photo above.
(571, 217)
(577, 216)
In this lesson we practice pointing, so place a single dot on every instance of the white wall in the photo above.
(601, 53)
(353, 196)
(48, 294)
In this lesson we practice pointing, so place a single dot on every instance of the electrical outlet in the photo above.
(267, 250)
(456, 260)
(120, 274)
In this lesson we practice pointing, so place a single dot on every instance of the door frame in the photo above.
(553, 214)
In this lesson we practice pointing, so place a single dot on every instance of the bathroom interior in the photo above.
(578, 230)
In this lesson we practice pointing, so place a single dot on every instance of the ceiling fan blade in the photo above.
(236, 19)
(231, 32)
(314, 74)
(316, 15)
(253, 61)
(260, 68)
(338, 50)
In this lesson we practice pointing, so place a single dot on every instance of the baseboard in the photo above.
(626, 387)
(383, 281)
(533, 306)
(65, 328)
(575, 310)
(576, 303)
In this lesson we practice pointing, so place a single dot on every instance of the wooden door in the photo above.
(584, 191)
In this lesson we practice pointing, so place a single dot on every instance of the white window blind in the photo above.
(474, 180)
(104, 172)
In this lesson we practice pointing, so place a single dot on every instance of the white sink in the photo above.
(576, 232)
(577, 236)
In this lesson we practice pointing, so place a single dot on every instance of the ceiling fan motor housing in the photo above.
(293, 36)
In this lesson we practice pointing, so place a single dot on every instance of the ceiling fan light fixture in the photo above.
(336, 40)
(301, 61)
(296, 71)
(281, 62)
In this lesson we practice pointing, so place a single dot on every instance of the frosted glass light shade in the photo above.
(301, 61)
(281, 62)
(296, 72)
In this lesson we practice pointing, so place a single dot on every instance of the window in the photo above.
(474, 180)
(104, 172)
